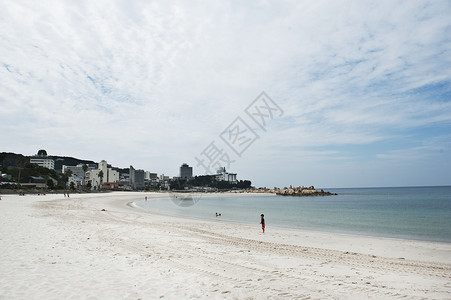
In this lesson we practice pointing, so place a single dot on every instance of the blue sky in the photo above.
(364, 87)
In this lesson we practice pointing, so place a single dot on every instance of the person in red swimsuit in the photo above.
(263, 222)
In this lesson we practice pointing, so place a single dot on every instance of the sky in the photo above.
(323, 93)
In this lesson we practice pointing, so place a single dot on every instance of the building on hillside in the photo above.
(42, 160)
(6, 176)
(186, 172)
(223, 175)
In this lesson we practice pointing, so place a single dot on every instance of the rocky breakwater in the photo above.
(301, 191)
(287, 191)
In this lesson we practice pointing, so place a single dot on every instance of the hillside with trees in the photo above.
(8, 159)
(21, 170)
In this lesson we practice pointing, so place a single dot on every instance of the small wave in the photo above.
(132, 204)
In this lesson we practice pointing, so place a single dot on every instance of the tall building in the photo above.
(136, 178)
(131, 176)
(139, 179)
(186, 172)
(42, 160)
(109, 175)
(103, 166)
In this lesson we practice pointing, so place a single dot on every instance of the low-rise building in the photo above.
(164, 181)
(34, 182)
(223, 175)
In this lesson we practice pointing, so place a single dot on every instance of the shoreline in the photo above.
(310, 230)
(406, 237)
(97, 246)
(310, 233)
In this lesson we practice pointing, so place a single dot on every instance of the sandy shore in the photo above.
(52, 247)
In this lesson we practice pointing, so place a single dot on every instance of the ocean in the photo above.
(418, 213)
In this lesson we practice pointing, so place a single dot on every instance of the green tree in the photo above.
(85, 169)
(178, 184)
(21, 161)
(101, 177)
(50, 184)
(67, 175)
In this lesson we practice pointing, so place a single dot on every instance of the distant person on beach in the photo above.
(263, 222)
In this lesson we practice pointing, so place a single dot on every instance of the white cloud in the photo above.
(152, 83)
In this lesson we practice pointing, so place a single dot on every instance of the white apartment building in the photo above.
(109, 175)
(78, 174)
(222, 175)
(43, 162)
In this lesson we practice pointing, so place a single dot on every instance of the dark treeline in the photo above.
(208, 181)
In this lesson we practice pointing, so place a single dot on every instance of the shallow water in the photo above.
(421, 213)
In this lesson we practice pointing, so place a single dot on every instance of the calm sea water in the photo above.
(421, 213)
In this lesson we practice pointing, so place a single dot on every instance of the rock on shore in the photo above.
(302, 191)
(289, 191)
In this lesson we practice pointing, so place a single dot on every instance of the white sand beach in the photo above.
(53, 247)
